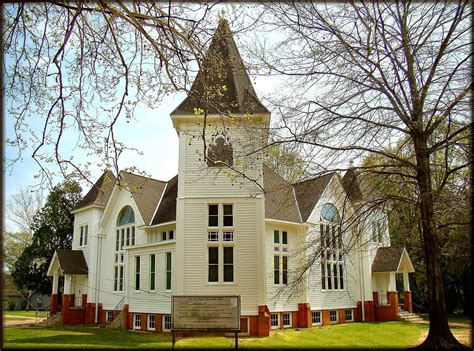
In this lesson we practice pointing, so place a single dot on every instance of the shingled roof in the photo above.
(145, 191)
(308, 193)
(72, 261)
(280, 201)
(387, 259)
(222, 85)
(100, 192)
(166, 211)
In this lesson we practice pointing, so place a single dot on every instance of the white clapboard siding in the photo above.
(202, 180)
(245, 251)
(119, 199)
(279, 299)
(145, 300)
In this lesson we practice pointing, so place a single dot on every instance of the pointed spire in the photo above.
(222, 84)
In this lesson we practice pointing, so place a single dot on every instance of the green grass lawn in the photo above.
(19, 313)
(350, 335)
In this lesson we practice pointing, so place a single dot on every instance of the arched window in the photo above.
(332, 250)
(124, 236)
(329, 213)
(126, 216)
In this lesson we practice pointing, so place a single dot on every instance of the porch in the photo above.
(69, 272)
(389, 264)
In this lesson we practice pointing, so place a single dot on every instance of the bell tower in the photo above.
(222, 126)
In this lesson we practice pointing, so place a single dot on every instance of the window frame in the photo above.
(152, 269)
(137, 272)
(135, 320)
(336, 317)
(149, 320)
(280, 250)
(220, 239)
(351, 319)
(109, 314)
(286, 314)
(164, 322)
(277, 317)
(83, 235)
(316, 315)
(168, 271)
(332, 262)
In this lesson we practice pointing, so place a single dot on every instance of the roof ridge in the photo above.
(142, 176)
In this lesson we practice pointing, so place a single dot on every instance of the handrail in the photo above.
(39, 315)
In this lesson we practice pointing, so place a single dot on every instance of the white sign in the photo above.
(205, 313)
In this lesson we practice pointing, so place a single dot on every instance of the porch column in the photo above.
(55, 284)
(392, 283)
(67, 284)
(406, 281)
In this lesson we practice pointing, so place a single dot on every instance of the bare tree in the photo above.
(73, 70)
(22, 207)
(381, 79)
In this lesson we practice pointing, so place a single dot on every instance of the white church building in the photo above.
(227, 224)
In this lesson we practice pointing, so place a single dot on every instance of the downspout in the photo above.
(99, 247)
(362, 285)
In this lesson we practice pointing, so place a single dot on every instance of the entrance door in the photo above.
(399, 285)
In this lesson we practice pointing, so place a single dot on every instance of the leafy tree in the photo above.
(368, 75)
(285, 162)
(13, 246)
(52, 229)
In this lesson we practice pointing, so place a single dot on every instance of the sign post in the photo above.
(205, 313)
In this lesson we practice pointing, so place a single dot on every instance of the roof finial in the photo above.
(222, 15)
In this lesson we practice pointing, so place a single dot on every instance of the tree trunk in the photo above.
(439, 335)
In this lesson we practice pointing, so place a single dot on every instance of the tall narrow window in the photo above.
(332, 252)
(220, 242)
(228, 216)
(171, 235)
(124, 236)
(276, 269)
(152, 272)
(280, 257)
(284, 271)
(228, 264)
(137, 272)
(83, 235)
(213, 275)
(168, 271)
(213, 215)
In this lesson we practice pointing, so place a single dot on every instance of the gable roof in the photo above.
(71, 261)
(308, 193)
(145, 191)
(222, 84)
(166, 211)
(389, 259)
(100, 192)
(280, 201)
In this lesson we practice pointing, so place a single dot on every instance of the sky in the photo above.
(151, 132)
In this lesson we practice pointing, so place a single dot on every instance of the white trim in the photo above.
(277, 221)
(337, 316)
(144, 226)
(320, 318)
(135, 315)
(85, 208)
(283, 320)
(129, 248)
(163, 329)
(148, 321)
(159, 202)
(297, 204)
(277, 314)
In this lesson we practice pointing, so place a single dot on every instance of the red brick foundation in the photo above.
(388, 312)
(90, 314)
(263, 328)
(407, 301)
(53, 305)
(369, 311)
(303, 316)
(71, 315)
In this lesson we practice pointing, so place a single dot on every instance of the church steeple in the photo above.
(222, 85)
